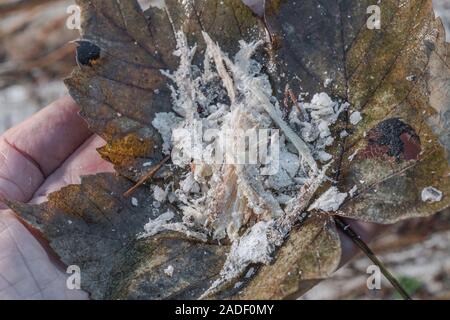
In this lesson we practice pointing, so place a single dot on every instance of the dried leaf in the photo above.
(396, 77)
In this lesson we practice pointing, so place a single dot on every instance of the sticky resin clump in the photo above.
(248, 192)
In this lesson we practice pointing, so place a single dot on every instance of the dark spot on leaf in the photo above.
(392, 138)
(411, 146)
(87, 53)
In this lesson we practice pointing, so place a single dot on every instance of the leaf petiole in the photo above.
(349, 232)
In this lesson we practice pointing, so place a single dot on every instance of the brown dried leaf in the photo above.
(120, 88)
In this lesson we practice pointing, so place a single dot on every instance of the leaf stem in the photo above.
(349, 232)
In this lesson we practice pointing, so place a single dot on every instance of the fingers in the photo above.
(32, 150)
(84, 161)
(51, 135)
(19, 177)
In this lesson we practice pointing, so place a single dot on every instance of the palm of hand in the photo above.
(50, 150)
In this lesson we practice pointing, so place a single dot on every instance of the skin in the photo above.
(50, 150)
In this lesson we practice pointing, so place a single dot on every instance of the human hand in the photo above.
(50, 150)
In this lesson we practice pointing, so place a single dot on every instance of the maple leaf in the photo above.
(396, 78)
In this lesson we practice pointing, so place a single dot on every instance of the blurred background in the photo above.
(36, 53)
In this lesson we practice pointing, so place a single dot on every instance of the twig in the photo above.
(349, 232)
(218, 57)
(147, 176)
(300, 145)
